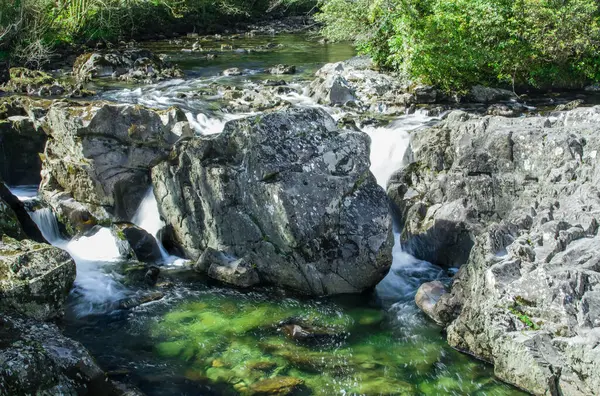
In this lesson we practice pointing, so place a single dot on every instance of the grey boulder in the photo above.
(287, 192)
(101, 153)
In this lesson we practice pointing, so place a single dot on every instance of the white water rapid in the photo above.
(147, 217)
(97, 287)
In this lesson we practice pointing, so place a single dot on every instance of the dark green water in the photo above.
(205, 339)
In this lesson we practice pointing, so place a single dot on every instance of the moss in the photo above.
(518, 311)
(121, 235)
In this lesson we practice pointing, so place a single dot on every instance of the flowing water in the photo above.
(205, 339)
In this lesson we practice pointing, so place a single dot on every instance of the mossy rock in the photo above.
(276, 386)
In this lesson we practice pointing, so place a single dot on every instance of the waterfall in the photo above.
(397, 290)
(147, 217)
(389, 144)
(97, 289)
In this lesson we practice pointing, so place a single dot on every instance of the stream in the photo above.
(202, 338)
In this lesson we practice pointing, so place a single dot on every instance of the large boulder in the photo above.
(525, 194)
(35, 278)
(129, 65)
(101, 153)
(285, 196)
(36, 359)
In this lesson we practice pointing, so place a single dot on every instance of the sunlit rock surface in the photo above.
(289, 193)
(523, 193)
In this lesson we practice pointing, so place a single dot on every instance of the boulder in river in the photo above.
(282, 69)
(129, 65)
(289, 193)
(100, 153)
(524, 193)
(35, 278)
(36, 359)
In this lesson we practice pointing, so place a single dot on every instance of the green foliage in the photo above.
(455, 44)
(31, 29)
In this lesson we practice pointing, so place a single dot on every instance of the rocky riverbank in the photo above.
(516, 200)
(284, 196)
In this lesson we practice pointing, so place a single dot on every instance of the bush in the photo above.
(455, 44)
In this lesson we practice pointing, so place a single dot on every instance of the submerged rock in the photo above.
(275, 386)
(524, 193)
(101, 153)
(287, 192)
(35, 358)
(129, 65)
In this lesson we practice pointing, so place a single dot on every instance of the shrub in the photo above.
(454, 44)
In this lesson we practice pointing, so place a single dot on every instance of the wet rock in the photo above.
(143, 244)
(308, 334)
(140, 299)
(35, 278)
(282, 69)
(427, 296)
(225, 268)
(4, 72)
(101, 153)
(296, 165)
(481, 94)
(276, 386)
(35, 358)
(524, 191)
(234, 71)
(130, 65)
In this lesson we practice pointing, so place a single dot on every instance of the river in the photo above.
(202, 338)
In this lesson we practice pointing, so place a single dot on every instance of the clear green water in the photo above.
(204, 339)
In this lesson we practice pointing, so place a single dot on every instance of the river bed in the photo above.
(202, 338)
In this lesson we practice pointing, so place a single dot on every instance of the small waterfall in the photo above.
(97, 289)
(46, 222)
(147, 217)
(397, 290)
(24, 193)
(389, 144)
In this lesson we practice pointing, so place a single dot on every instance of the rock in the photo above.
(481, 94)
(234, 71)
(22, 140)
(427, 296)
(276, 386)
(129, 65)
(309, 334)
(30, 229)
(570, 106)
(143, 244)
(35, 358)
(287, 192)
(501, 110)
(27, 81)
(227, 269)
(35, 278)
(524, 192)
(356, 82)
(140, 299)
(101, 153)
(282, 69)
